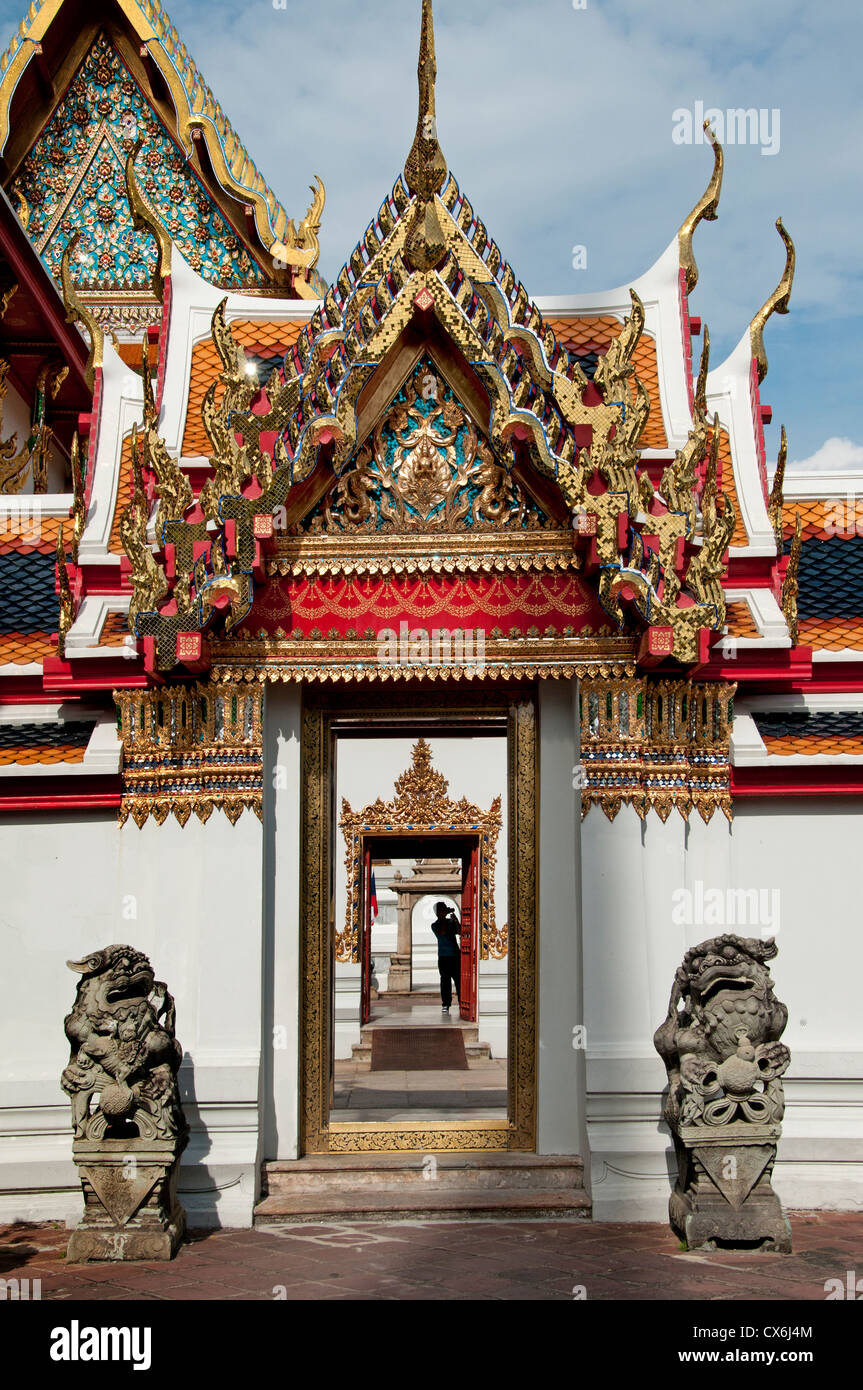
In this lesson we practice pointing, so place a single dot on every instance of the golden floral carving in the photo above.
(424, 488)
(655, 745)
(191, 749)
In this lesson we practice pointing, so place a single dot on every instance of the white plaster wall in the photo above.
(191, 899)
(281, 903)
(636, 930)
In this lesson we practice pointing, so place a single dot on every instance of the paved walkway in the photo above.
(395, 1096)
(536, 1260)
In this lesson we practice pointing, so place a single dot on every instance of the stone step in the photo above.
(456, 1203)
(475, 1052)
(357, 1175)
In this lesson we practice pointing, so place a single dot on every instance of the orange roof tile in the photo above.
(832, 634)
(265, 338)
(810, 745)
(597, 335)
(115, 630)
(738, 616)
(130, 353)
(824, 516)
(18, 649)
(25, 533)
(589, 334)
(53, 753)
(728, 484)
(123, 498)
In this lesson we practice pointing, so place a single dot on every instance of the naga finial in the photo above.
(143, 220)
(425, 166)
(67, 603)
(705, 210)
(777, 303)
(701, 383)
(774, 502)
(791, 583)
(300, 249)
(78, 510)
(77, 312)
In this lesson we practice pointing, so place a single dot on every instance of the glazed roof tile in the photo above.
(818, 516)
(832, 634)
(115, 630)
(738, 616)
(28, 601)
(44, 743)
(28, 534)
(123, 497)
(813, 730)
(814, 747)
(728, 484)
(63, 753)
(831, 578)
(17, 649)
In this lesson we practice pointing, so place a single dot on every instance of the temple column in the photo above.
(399, 978)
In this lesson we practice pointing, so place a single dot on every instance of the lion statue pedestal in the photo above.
(725, 1100)
(129, 1125)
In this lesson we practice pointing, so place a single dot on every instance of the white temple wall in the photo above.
(811, 850)
(645, 903)
(72, 886)
(561, 1009)
(280, 1070)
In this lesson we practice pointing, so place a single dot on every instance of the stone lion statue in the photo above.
(121, 1031)
(719, 1041)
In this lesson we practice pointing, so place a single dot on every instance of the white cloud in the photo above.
(834, 455)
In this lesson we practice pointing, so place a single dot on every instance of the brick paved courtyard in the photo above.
(464, 1260)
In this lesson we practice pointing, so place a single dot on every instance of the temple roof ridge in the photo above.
(196, 109)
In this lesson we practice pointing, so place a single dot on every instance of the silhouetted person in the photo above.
(446, 928)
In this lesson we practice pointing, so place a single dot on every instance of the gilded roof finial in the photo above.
(705, 209)
(791, 583)
(774, 503)
(76, 311)
(67, 603)
(701, 383)
(143, 220)
(777, 303)
(425, 167)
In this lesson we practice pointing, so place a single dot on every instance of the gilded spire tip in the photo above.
(425, 167)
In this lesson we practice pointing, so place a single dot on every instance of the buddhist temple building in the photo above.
(321, 602)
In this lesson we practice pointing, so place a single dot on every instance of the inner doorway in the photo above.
(420, 964)
(441, 886)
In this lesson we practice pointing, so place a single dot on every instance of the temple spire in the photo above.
(425, 167)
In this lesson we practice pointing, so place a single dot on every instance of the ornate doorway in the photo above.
(422, 813)
(459, 829)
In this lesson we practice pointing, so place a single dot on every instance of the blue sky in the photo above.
(557, 122)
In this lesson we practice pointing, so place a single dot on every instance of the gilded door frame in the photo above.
(416, 711)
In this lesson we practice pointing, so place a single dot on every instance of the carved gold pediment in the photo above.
(426, 469)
